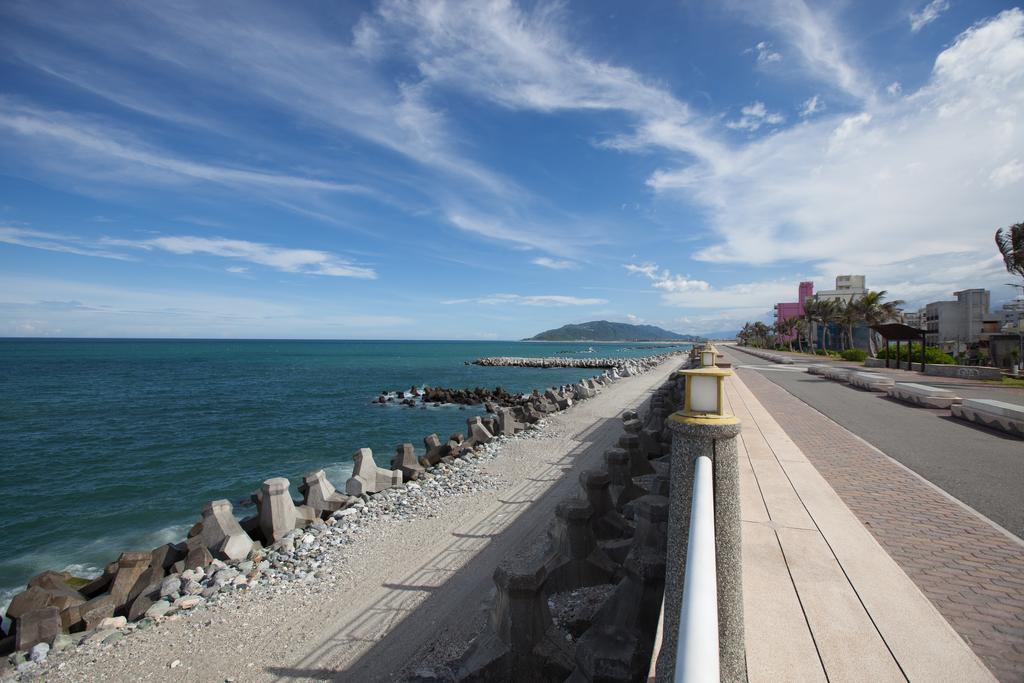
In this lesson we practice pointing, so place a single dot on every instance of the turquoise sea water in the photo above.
(113, 445)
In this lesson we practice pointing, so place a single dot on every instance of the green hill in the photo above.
(602, 330)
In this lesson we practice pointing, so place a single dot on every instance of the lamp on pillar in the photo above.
(704, 397)
(703, 429)
(707, 356)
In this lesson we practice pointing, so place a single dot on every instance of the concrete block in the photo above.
(367, 477)
(222, 534)
(478, 434)
(606, 522)
(576, 560)
(406, 462)
(41, 625)
(319, 493)
(96, 610)
(276, 509)
(435, 450)
(1006, 417)
(923, 395)
(130, 566)
(622, 487)
(871, 381)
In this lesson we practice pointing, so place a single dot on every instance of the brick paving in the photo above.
(972, 572)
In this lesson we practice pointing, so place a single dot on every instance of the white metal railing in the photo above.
(697, 648)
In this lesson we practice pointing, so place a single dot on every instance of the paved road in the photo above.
(981, 467)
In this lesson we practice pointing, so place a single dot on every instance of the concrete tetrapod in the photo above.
(367, 477)
(222, 534)
(319, 493)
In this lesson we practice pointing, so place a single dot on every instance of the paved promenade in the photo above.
(945, 554)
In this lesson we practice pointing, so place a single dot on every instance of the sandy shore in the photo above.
(410, 588)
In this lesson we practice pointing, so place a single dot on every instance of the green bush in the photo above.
(820, 352)
(856, 355)
(931, 354)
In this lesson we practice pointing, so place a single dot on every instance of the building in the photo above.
(916, 319)
(848, 288)
(795, 309)
(1012, 313)
(954, 326)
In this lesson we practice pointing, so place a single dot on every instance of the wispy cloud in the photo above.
(847, 184)
(88, 141)
(284, 259)
(929, 13)
(765, 53)
(814, 38)
(754, 116)
(528, 300)
(554, 264)
(666, 281)
(39, 306)
(811, 106)
(50, 241)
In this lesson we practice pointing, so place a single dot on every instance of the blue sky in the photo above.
(487, 170)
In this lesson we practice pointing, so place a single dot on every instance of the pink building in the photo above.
(793, 309)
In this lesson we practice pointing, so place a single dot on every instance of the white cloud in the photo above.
(895, 89)
(811, 106)
(928, 14)
(667, 282)
(904, 178)
(814, 39)
(648, 269)
(1008, 174)
(554, 264)
(95, 147)
(307, 261)
(765, 54)
(527, 300)
(754, 116)
(51, 307)
(50, 241)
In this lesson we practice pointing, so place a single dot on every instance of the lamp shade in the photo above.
(704, 394)
(707, 357)
(704, 398)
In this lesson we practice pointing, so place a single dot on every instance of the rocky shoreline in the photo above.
(624, 366)
(287, 542)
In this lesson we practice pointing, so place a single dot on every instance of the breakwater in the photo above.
(624, 365)
(286, 540)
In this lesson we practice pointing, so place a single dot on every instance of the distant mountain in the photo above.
(721, 334)
(602, 330)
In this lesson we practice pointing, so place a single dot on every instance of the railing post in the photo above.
(713, 437)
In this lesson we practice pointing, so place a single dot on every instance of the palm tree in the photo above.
(800, 325)
(826, 311)
(1011, 245)
(848, 315)
(786, 327)
(810, 317)
(875, 311)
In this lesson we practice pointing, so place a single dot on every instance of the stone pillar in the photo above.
(717, 440)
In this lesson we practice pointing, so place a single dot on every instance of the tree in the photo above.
(847, 316)
(1011, 245)
(875, 311)
(787, 328)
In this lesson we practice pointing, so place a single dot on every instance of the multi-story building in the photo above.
(1012, 313)
(795, 309)
(916, 319)
(955, 325)
(848, 288)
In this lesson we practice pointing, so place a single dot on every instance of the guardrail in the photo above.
(697, 658)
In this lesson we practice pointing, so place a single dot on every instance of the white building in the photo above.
(848, 288)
